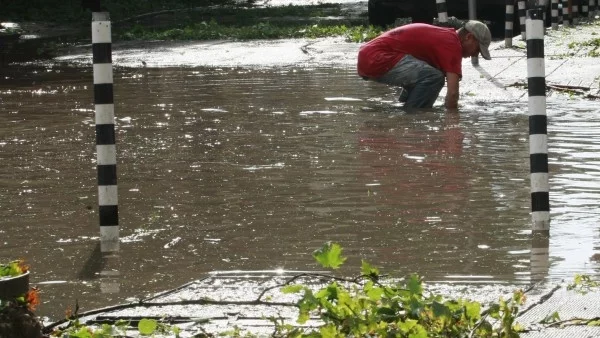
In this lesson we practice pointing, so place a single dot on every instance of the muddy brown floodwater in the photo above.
(251, 169)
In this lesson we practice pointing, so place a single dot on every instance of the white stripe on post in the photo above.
(105, 113)
(538, 139)
(105, 132)
(106, 155)
(103, 73)
(442, 11)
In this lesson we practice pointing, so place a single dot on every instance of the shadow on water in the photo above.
(223, 169)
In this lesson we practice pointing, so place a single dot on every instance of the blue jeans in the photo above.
(422, 82)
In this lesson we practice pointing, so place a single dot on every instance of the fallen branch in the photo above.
(567, 87)
(574, 322)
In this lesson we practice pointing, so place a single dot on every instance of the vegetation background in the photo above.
(201, 19)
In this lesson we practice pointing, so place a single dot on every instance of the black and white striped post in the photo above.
(508, 25)
(538, 136)
(442, 10)
(584, 8)
(565, 13)
(106, 153)
(575, 12)
(592, 9)
(522, 16)
(554, 13)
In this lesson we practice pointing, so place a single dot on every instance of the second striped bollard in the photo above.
(106, 153)
(522, 12)
(442, 11)
(508, 25)
(538, 136)
(554, 13)
(565, 13)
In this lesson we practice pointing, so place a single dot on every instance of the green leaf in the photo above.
(594, 323)
(82, 333)
(292, 288)
(420, 332)
(494, 311)
(551, 318)
(147, 326)
(440, 310)
(367, 269)
(387, 314)
(329, 331)
(473, 310)
(374, 293)
(407, 325)
(330, 255)
(414, 285)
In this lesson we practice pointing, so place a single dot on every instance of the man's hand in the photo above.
(452, 92)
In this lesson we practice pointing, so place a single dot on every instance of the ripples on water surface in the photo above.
(224, 169)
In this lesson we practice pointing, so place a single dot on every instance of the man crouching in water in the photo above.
(417, 57)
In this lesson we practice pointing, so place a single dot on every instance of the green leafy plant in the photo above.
(29, 299)
(76, 329)
(13, 269)
(399, 309)
(146, 327)
(583, 284)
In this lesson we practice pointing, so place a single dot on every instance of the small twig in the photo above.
(566, 89)
(517, 84)
(573, 322)
(478, 324)
(559, 86)
(145, 303)
(593, 97)
(540, 301)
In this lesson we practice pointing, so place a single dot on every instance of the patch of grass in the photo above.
(593, 43)
(212, 30)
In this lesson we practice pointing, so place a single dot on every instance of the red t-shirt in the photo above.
(438, 46)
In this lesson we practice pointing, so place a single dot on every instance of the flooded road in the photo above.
(251, 169)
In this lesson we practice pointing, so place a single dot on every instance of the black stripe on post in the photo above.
(105, 134)
(442, 8)
(102, 52)
(538, 163)
(538, 124)
(540, 201)
(107, 174)
(103, 93)
(109, 215)
(536, 86)
(535, 48)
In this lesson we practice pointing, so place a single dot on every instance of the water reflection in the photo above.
(224, 169)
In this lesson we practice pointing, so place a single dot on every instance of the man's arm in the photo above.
(452, 92)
